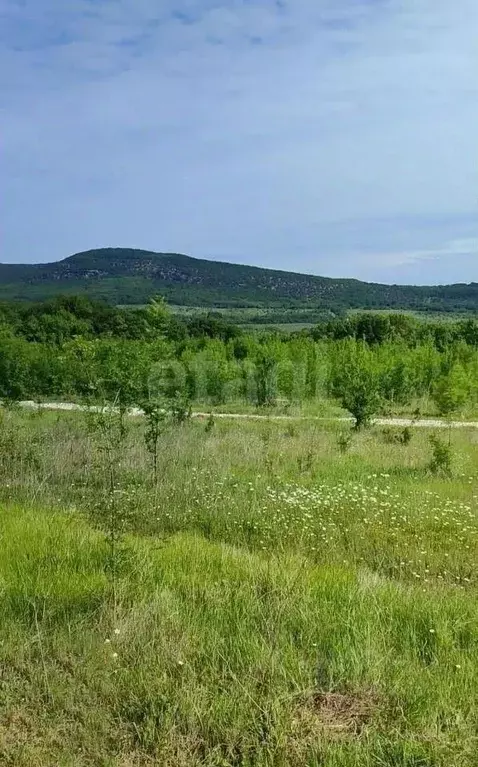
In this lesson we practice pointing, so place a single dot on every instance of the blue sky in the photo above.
(335, 137)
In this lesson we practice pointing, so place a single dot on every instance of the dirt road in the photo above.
(430, 423)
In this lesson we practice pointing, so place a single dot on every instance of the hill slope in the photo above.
(129, 276)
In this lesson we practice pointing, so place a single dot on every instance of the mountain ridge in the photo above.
(130, 275)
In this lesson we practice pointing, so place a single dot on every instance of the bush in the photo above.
(441, 462)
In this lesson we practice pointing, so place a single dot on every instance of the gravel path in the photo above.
(430, 423)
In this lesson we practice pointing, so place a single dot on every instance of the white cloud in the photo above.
(454, 261)
(257, 133)
(455, 249)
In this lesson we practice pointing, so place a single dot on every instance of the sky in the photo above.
(333, 137)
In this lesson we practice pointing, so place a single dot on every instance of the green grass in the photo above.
(262, 319)
(275, 602)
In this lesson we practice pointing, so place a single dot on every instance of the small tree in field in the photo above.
(356, 383)
(155, 415)
(451, 391)
(362, 400)
(108, 428)
(168, 402)
(450, 394)
(441, 462)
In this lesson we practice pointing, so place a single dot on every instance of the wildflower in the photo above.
(116, 631)
(114, 655)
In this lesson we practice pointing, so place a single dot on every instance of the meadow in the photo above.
(252, 593)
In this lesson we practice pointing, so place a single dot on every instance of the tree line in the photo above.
(75, 348)
(66, 317)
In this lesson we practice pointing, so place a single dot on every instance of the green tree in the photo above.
(158, 316)
(356, 381)
(266, 378)
(451, 391)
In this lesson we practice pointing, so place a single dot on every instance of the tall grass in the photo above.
(236, 637)
(265, 486)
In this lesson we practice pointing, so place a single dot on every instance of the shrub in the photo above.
(441, 462)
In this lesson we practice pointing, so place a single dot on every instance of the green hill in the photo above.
(130, 276)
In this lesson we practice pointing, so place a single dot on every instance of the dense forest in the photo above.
(129, 276)
(368, 363)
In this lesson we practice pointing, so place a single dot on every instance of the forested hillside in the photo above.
(129, 276)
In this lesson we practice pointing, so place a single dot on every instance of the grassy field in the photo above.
(293, 319)
(277, 596)
(287, 319)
